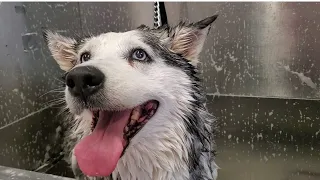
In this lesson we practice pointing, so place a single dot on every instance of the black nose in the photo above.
(84, 81)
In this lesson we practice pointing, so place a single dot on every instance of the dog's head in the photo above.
(134, 86)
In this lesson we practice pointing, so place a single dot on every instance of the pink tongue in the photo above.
(98, 153)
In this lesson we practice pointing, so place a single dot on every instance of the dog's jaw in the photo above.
(163, 158)
(157, 155)
(171, 162)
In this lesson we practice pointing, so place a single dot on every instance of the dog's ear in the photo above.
(62, 49)
(188, 39)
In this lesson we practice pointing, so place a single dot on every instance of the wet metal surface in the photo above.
(258, 49)
(29, 129)
(253, 52)
(266, 138)
(30, 79)
(18, 174)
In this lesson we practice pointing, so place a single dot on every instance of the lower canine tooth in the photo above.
(135, 114)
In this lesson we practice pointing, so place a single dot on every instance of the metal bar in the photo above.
(19, 174)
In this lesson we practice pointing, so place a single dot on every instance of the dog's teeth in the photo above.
(126, 129)
(155, 106)
(135, 114)
(132, 121)
(139, 117)
(149, 106)
(151, 113)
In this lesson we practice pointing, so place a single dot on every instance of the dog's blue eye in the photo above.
(139, 55)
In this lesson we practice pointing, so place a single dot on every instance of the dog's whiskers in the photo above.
(58, 90)
(59, 80)
(55, 102)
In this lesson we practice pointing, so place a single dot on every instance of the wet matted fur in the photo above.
(177, 143)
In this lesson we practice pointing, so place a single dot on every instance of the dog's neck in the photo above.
(168, 154)
(158, 151)
(161, 159)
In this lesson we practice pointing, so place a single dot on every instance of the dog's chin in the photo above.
(98, 153)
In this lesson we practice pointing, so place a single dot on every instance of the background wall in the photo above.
(260, 68)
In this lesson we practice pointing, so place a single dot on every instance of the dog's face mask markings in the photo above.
(135, 86)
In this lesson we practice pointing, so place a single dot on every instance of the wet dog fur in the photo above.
(178, 141)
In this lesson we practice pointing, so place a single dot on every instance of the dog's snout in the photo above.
(84, 81)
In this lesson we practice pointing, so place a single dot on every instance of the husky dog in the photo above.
(137, 104)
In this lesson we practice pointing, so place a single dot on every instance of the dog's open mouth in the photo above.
(98, 153)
